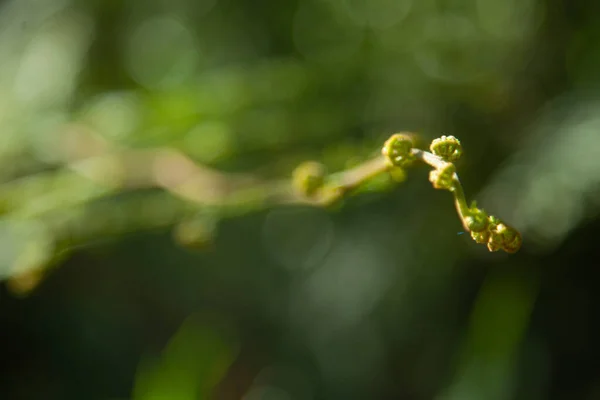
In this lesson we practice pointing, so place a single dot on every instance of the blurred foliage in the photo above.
(194, 362)
(104, 104)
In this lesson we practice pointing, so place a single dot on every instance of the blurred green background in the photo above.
(379, 299)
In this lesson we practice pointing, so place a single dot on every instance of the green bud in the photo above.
(443, 178)
(309, 177)
(494, 242)
(397, 150)
(480, 237)
(505, 237)
(477, 220)
(447, 147)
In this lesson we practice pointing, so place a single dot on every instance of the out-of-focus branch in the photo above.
(194, 195)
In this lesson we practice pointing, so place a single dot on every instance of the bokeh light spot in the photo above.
(298, 238)
(161, 52)
(377, 14)
(323, 36)
(114, 115)
(210, 141)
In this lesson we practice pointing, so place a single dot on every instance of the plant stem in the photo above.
(457, 190)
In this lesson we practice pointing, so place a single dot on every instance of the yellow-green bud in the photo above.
(443, 178)
(505, 237)
(447, 147)
(397, 150)
(477, 220)
(308, 178)
(494, 242)
(480, 237)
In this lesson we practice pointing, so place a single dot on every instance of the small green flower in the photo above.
(447, 147)
(443, 178)
(397, 150)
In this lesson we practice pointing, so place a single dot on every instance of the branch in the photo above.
(483, 228)
(399, 152)
(96, 171)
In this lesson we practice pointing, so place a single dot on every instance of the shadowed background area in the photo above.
(121, 282)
